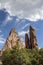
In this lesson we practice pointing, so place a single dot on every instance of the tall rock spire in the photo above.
(33, 40)
(26, 41)
(12, 40)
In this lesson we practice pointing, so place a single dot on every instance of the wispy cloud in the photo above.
(22, 33)
(25, 25)
(8, 19)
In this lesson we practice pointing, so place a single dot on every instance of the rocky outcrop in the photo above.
(26, 41)
(0, 53)
(12, 40)
(33, 40)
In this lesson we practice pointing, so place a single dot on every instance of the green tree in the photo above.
(23, 56)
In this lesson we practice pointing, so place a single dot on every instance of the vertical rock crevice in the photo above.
(32, 42)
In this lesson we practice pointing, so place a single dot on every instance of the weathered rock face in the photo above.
(0, 53)
(33, 40)
(26, 41)
(12, 40)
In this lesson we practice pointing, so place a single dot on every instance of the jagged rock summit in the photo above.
(12, 40)
(26, 40)
(32, 41)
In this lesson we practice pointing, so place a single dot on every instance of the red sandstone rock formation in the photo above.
(12, 40)
(33, 40)
(0, 53)
(26, 41)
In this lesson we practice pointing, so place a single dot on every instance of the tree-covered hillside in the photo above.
(23, 56)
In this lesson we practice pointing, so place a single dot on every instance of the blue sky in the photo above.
(14, 14)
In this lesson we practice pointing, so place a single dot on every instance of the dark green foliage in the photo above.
(22, 56)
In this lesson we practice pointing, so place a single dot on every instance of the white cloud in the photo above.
(22, 33)
(8, 7)
(34, 17)
(17, 20)
(39, 48)
(8, 19)
(29, 9)
(23, 41)
(0, 5)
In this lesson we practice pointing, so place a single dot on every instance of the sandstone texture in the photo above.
(26, 41)
(12, 40)
(32, 41)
